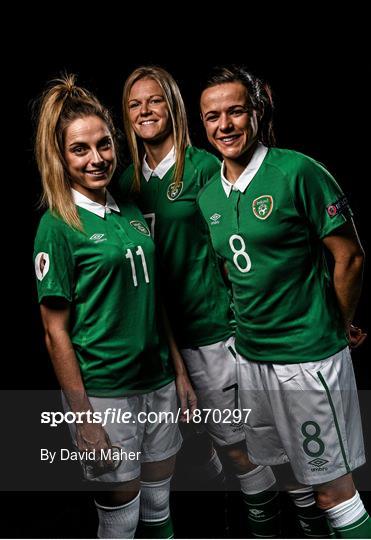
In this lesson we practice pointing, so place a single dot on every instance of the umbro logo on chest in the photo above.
(98, 237)
(215, 219)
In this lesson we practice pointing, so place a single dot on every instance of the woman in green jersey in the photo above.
(278, 210)
(94, 262)
(165, 178)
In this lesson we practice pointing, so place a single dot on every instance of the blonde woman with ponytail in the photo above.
(94, 263)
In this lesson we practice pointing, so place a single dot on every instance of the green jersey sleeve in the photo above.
(210, 166)
(54, 264)
(318, 195)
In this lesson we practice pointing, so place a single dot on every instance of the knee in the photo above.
(156, 471)
(238, 458)
(327, 499)
(123, 495)
(335, 492)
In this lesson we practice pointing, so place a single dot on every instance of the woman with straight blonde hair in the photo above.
(94, 262)
(165, 178)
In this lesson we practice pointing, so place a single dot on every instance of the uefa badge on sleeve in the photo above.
(341, 206)
(262, 206)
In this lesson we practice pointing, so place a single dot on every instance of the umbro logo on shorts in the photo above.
(215, 219)
(318, 464)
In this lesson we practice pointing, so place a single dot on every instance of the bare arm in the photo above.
(55, 315)
(345, 247)
(186, 394)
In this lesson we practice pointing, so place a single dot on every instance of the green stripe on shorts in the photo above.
(321, 378)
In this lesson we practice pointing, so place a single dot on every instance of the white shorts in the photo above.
(213, 373)
(307, 414)
(156, 439)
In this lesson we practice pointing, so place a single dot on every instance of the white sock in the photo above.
(118, 521)
(302, 497)
(346, 512)
(154, 500)
(259, 479)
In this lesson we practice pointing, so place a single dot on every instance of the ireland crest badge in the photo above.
(262, 206)
(140, 227)
(174, 191)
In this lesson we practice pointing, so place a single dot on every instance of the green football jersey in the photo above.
(107, 274)
(270, 236)
(196, 297)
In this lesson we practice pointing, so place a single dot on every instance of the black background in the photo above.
(320, 91)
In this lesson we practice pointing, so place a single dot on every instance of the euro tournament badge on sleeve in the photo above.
(42, 265)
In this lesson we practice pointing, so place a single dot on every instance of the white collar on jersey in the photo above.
(84, 202)
(161, 168)
(248, 174)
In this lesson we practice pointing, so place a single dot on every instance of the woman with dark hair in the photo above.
(278, 209)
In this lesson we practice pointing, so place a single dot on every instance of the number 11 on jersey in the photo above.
(129, 255)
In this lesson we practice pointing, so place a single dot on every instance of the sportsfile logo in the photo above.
(98, 237)
(215, 219)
